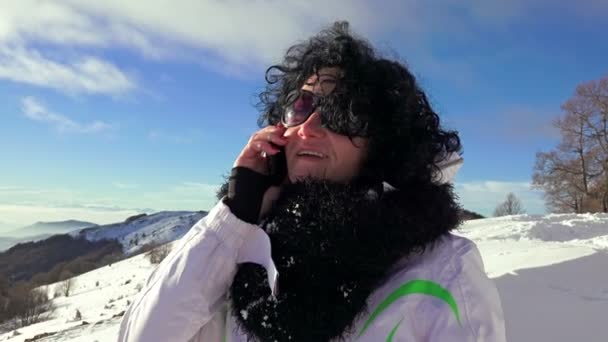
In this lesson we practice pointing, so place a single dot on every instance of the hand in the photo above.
(262, 144)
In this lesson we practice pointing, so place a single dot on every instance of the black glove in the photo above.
(246, 190)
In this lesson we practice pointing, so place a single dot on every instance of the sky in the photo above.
(120, 107)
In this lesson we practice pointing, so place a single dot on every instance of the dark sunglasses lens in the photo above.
(299, 111)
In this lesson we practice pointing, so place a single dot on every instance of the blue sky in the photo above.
(117, 107)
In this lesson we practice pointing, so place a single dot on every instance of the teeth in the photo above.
(311, 153)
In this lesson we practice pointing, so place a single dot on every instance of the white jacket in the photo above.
(441, 295)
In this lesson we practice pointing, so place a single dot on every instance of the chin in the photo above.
(300, 176)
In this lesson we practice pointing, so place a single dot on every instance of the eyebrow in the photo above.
(323, 78)
(328, 75)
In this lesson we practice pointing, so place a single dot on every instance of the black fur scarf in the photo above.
(333, 245)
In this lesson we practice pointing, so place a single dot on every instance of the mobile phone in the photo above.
(277, 167)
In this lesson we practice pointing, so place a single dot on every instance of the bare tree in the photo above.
(37, 307)
(564, 186)
(591, 99)
(29, 305)
(4, 297)
(511, 206)
(158, 253)
(574, 176)
(67, 285)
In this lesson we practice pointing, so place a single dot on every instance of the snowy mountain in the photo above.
(550, 272)
(91, 246)
(136, 231)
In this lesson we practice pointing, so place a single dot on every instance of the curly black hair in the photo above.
(376, 98)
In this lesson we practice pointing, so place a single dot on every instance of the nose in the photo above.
(312, 127)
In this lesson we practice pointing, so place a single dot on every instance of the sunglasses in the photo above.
(300, 109)
(300, 106)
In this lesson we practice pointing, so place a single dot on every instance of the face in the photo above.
(315, 151)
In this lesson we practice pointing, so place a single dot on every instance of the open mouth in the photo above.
(313, 154)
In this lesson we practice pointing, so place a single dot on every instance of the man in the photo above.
(350, 241)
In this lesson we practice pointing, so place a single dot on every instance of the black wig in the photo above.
(376, 98)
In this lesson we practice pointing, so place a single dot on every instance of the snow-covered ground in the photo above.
(550, 271)
(98, 295)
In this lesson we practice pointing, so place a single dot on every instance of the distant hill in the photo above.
(25, 260)
(7, 242)
(58, 227)
(85, 249)
(470, 215)
(40, 231)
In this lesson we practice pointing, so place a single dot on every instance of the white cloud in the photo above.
(21, 206)
(34, 110)
(25, 22)
(484, 196)
(11, 189)
(52, 21)
(239, 32)
(194, 188)
(494, 186)
(186, 195)
(84, 74)
(233, 36)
